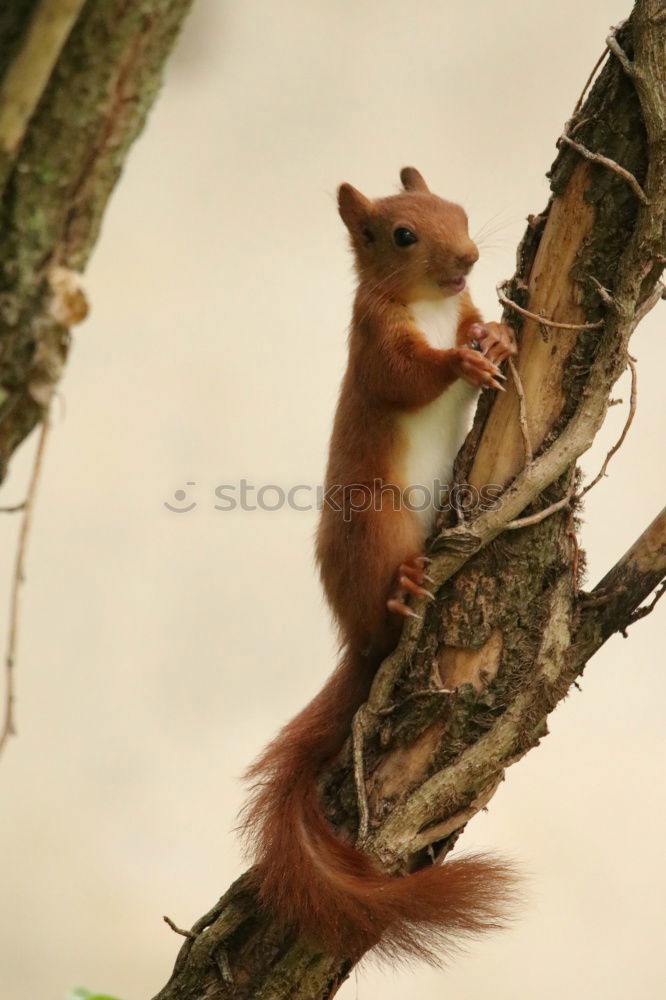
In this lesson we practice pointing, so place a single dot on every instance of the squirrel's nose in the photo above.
(466, 260)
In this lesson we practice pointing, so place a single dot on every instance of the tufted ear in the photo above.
(355, 209)
(412, 180)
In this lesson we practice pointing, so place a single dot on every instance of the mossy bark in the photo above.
(470, 688)
(59, 161)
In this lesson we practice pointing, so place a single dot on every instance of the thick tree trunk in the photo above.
(470, 687)
(77, 79)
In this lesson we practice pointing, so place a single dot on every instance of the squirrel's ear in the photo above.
(412, 180)
(355, 209)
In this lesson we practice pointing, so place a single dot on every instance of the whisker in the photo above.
(497, 229)
(493, 225)
(483, 245)
(488, 222)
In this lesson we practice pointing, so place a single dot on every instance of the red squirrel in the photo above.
(419, 353)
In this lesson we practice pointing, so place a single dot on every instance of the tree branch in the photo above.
(76, 82)
(8, 727)
(615, 602)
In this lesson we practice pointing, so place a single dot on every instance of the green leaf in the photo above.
(82, 994)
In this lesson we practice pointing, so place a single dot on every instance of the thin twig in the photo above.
(522, 412)
(648, 303)
(579, 102)
(208, 918)
(588, 82)
(431, 835)
(621, 55)
(8, 727)
(607, 162)
(633, 399)
(359, 778)
(13, 509)
(604, 294)
(179, 930)
(646, 609)
(506, 301)
(541, 515)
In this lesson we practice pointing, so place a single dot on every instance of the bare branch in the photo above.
(541, 515)
(588, 84)
(8, 726)
(620, 54)
(179, 930)
(633, 399)
(645, 609)
(522, 412)
(607, 162)
(543, 320)
(615, 602)
(359, 777)
(648, 304)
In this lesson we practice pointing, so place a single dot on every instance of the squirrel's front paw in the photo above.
(496, 340)
(477, 369)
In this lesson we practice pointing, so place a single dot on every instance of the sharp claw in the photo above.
(428, 578)
(399, 608)
(412, 587)
(497, 385)
(426, 593)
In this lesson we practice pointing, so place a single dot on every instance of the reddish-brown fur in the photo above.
(326, 889)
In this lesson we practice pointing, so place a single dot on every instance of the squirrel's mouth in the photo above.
(453, 285)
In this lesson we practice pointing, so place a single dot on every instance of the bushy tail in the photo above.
(329, 891)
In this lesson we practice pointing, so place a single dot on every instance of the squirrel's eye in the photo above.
(404, 237)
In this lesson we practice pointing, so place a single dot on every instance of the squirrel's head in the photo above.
(411, 245)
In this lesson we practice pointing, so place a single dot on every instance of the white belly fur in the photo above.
(433, 435)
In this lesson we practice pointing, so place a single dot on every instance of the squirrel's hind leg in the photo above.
(362, 562)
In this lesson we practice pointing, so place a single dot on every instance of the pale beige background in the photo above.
(160, 651)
